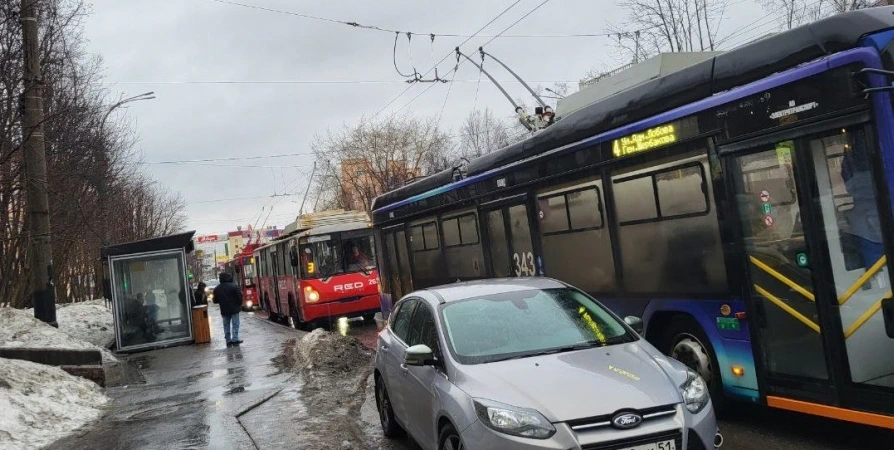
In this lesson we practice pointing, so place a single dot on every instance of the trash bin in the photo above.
(201, 330)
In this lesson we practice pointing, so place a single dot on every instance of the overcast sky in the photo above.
(172, 47)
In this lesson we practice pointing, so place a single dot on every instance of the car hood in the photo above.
(578, 384)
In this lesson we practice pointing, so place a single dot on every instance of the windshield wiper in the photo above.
(551, 351)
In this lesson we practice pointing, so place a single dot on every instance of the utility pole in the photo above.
(35, 159)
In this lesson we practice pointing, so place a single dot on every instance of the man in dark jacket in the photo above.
(229, 297)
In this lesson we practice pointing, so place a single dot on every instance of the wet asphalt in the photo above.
(251, 397)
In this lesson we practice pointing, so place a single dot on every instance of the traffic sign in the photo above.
(768, 220)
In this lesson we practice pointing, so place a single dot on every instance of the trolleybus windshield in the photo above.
(323, 256)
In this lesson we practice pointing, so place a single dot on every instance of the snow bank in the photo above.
(20, 329)
(328, 352)
(88, 321)
(42, 404)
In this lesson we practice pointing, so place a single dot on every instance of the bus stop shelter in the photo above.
(149, 288)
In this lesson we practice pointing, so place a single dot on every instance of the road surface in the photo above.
(252, 397)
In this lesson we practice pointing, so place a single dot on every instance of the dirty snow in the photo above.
(89, 321)
(336, 395)
(42, 404)
(21, 329)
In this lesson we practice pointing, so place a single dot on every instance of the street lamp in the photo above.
(101, 186)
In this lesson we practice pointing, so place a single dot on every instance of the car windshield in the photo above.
(527, 323)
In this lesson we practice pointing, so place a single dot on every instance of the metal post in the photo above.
(35, 159)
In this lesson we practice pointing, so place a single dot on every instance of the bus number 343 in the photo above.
(524, 264)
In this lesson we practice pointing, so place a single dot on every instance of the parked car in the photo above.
(532, 363)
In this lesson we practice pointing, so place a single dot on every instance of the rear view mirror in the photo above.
(634, 322)
(419, 355)
(293, 257)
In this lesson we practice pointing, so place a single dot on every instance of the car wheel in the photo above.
(689, 344)
(369, 318)
(390, 427)
(449, 439)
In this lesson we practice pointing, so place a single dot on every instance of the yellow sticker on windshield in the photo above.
(597, 331)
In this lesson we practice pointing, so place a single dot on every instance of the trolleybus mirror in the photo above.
(634, 322)
(293, 257)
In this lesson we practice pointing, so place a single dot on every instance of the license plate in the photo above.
(661, 445)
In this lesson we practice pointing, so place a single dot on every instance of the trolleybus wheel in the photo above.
(687, 342)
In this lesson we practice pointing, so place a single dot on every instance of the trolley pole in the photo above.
(35, 160)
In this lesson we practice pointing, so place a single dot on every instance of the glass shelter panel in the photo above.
(151, 296)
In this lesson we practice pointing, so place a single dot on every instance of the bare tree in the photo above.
(358, 163)
(792, 13)
(658, 26)
(80, 153)
(481, 133)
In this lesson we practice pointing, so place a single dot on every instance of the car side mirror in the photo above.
(419, 355)
(634, 322)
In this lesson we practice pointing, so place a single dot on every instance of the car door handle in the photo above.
(384, 348)
(404, 367)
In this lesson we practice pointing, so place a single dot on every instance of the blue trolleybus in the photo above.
(742, 206)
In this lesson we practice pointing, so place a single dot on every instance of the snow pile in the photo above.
(20, 329)
(42, 404)
(322, 351)
(89, 321)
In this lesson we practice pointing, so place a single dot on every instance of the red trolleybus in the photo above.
(242, 267)
(323, 269)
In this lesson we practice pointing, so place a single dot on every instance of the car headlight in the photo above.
(695, 392)
(507, 419)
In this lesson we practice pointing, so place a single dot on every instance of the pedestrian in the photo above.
(199, 297)
(229, 297)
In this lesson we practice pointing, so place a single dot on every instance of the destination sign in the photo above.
(655, 137)
(645, 140)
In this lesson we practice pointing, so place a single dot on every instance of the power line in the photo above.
(405, 32)
(544, 2)
(312, 82)
(447, 56)
(230, 158)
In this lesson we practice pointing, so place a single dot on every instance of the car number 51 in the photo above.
(663, 445)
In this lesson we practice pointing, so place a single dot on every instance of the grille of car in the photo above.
(591, 423)
(677, 437)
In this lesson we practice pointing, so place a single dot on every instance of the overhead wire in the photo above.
(310, 82)
(357, 25)
(544, 2)
(505, 10)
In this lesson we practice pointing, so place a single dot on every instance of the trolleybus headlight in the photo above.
(695, 392)
(249, 303)
(310, 295)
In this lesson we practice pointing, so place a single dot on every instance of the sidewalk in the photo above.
(193, 395)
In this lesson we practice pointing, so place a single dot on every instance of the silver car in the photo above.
(532, 363)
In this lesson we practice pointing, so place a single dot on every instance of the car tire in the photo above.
(390, 428)
(449, 439)
(369, 318)
(686, 342)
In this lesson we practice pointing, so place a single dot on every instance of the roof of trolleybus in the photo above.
(711, 82)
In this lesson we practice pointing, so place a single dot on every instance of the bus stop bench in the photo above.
(80, 363)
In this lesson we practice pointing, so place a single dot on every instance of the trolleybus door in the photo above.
(817, 271)
(509, 240)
